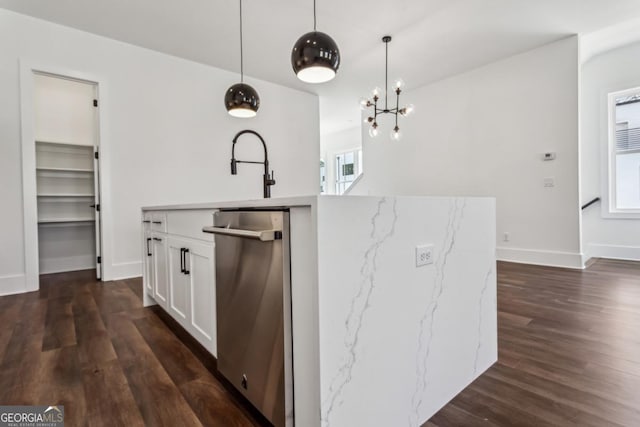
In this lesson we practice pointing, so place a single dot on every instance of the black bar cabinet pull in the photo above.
(186, 271)
(157, 239)
(146, 221)
(148, 248)
(157, 222)
(182, 260)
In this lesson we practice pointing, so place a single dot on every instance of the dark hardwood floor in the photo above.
(93, 348)
(568, 351)
(569, 355)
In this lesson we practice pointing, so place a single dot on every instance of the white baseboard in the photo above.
(64, 264)
(537, 257)
(123, 270)
(15, 284)
(595, 250)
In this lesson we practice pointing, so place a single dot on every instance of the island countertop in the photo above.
(240, 204)
(282, 202)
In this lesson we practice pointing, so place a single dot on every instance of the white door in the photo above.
(200, 262)
(96, 205)
(160, 269)
(96, 183)
(147, 240)
(179, 292)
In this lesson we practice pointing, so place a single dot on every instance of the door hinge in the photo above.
(95, 102)
(99, 260)
(96, 155)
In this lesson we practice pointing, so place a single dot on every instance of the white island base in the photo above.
(377, 340)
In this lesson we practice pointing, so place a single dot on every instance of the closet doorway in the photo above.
(67, 160)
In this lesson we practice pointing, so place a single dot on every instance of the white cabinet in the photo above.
(155, 280)
(179, 270)
(180, 294)
(159, 222)
(192, 298)
(147, 242)
(160, 273)
(200, 261)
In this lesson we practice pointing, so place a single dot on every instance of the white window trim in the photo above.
(609, 210)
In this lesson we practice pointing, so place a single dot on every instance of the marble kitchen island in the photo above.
(377, 340)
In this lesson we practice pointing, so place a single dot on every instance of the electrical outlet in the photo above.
(424, 255)
(549, 182)
(506, 236)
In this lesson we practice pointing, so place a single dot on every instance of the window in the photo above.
(323, 177)
(624, 153)
(348, 168)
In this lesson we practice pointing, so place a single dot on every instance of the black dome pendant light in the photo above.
(241, 99)
(315, 56)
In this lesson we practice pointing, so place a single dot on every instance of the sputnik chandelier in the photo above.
(377, 93)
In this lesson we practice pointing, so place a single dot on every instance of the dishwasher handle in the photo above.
(262, 235)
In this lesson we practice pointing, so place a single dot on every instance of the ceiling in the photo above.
(432, 38)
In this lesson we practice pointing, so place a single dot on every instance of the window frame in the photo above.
(609, 208)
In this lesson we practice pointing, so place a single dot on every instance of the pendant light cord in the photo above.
(314, 15)
(241, 53)
(386, 72)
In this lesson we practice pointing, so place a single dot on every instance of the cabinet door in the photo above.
(200, 262)
(160, 269)
(147, 244)
(179, 292)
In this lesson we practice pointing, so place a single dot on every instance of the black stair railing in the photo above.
(586, 205)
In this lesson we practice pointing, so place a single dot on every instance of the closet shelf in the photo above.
(64, 144)
(65, 195)
(64, 220)
(78, 170)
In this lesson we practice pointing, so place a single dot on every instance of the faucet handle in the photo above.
(271, 180)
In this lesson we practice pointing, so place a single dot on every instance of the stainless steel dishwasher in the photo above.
(253, 302)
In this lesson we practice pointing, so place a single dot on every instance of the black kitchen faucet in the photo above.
(267, 180)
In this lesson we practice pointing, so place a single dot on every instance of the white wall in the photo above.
(482, 133)
(334, 143)
(167, 136)
(613, 71)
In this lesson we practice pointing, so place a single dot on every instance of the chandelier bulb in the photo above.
(373, 131)
(376, 92)
(364, 103)
(396, 135)
(408, 110)
(399, 84)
